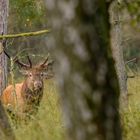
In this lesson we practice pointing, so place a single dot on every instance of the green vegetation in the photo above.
(27, 15)
(30, 15)
(133, 9)
(131, 118)
(47, 125)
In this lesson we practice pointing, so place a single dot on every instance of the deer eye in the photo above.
(30, 74)
(41, 74)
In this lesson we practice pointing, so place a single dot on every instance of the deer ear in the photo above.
(24, 72)
(48, 75)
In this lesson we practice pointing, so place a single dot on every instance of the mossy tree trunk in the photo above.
(117, 47)
(5, 128)
(89, 89)
(3, 30)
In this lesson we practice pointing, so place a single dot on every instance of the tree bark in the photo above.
(3, 30)
(5, 128)
(89, 89)
(117, 48)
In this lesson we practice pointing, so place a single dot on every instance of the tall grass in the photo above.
(47, 125)
(131, 118)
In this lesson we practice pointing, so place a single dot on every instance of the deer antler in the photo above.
(46, 62)
(22, 64)
(30, 62)
(18, 62)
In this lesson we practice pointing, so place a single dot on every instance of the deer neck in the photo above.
(31, 97)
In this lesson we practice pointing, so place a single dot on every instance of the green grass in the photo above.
(47, 125)
(131, 118)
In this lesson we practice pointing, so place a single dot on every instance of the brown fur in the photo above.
(25, 97)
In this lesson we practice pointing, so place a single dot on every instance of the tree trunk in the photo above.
(80, 41)
(117, 48)
(4, 124)
(3, 30)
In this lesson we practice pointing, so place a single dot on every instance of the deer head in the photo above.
(34, 73)
(29, 91)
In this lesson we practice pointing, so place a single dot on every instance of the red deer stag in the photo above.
(24, 98)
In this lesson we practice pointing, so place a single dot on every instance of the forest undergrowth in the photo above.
(48, 124)
(131, 117)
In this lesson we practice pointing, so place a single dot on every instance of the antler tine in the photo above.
(22, 64)
(7, 54)
(46, 60)
(17, 61)
(49, 63)
(30, 62)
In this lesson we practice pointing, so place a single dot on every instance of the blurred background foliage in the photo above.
(31, 15)
(134, 11)
(130, 19)
(26, 16)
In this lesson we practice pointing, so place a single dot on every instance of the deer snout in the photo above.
(37, 84)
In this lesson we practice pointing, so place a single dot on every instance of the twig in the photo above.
(24, 34)
(132, 60)
(133, 76)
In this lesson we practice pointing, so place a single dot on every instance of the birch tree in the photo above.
(5, 129)
(89, 89)
(117, 48)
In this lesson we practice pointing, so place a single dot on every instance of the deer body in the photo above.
(24, 98)
(11, 97)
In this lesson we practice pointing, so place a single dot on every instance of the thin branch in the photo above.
(133, 76)
(132, 60)
(24, 34)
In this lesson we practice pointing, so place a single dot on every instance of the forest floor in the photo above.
(48, 124)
